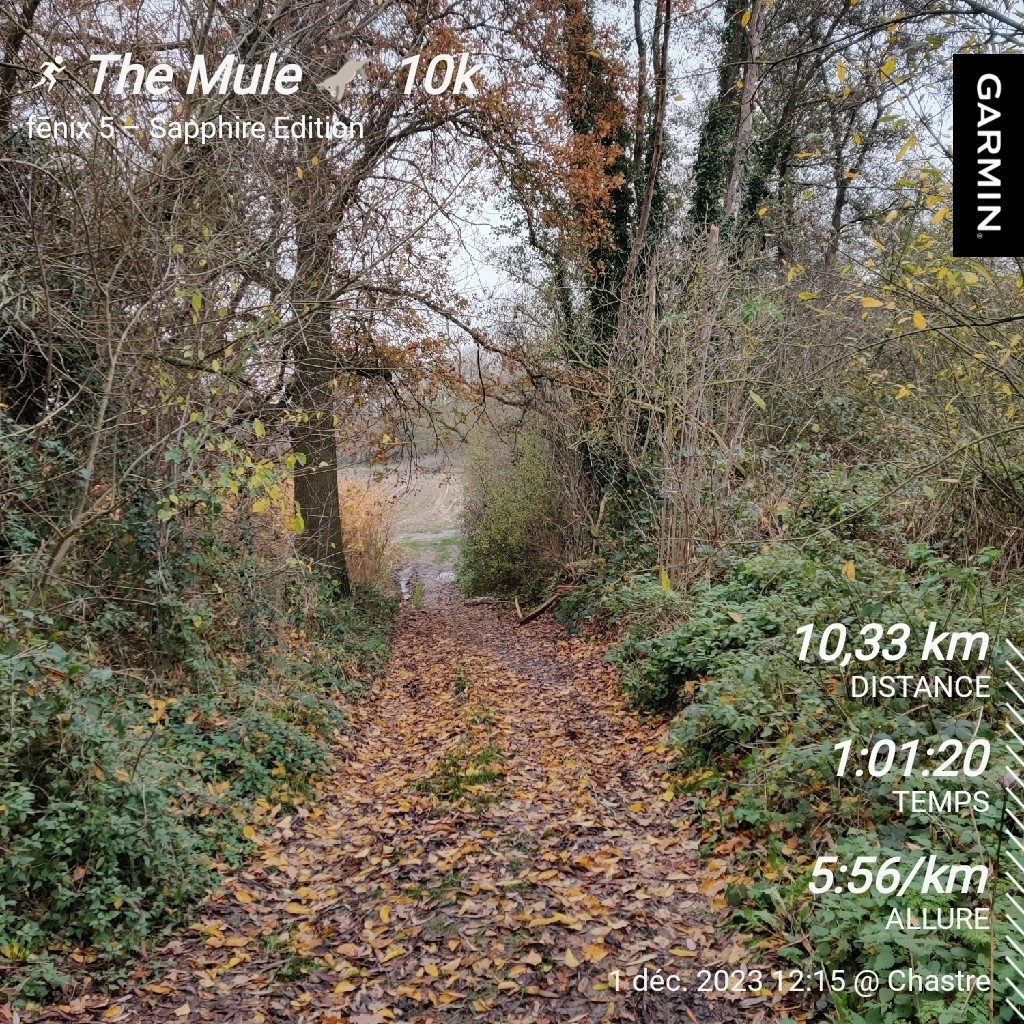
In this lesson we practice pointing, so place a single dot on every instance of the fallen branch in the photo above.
(542, 607)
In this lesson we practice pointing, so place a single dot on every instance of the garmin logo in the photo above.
(990, 145)
(987, 217)
(229, 77)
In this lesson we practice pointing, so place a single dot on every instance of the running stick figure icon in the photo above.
(51, 69)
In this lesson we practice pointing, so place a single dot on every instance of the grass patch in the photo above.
(442, 550)
(463, 775)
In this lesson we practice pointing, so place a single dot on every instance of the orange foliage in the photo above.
(367, 518)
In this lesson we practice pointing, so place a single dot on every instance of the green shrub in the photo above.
(511, 544)
(754, 730)
(92, 848)
(120, 790)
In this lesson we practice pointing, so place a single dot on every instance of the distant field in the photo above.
(427, 505)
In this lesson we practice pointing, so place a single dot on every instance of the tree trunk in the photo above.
(744, 130)
(657, 134)
(842, 178)
(312, 387)
(839, 202)
(711, 169)
(18, 26)
(316, 494)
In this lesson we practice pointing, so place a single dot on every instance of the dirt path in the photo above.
(494, 842)
(427, 529)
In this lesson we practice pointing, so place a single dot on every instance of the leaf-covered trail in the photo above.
(494, 842)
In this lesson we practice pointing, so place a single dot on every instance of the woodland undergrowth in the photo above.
(149, 734)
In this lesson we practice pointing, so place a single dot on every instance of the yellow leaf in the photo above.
(841, 71)
(888, 67)
(919, 321)
(183, 1011)
(391, 953)
(248, 832)
(431, 969)
(906, 147)
(570, 960)
(236, 941)
(294, 908)
(344, 986)
(258, 428)
(735, 616)
(970, 278)
(243, 896)
(867, 302)
(385, 913)
(113, 1012)
(940, 215)
(762, 210)
(666, 583)
(260, 505)
(745, 19)
(668, 795)
(804, 296)
(850, 571)
(298, 173)
(757, 400)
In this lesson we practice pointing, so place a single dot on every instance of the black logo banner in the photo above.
(988, 192)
